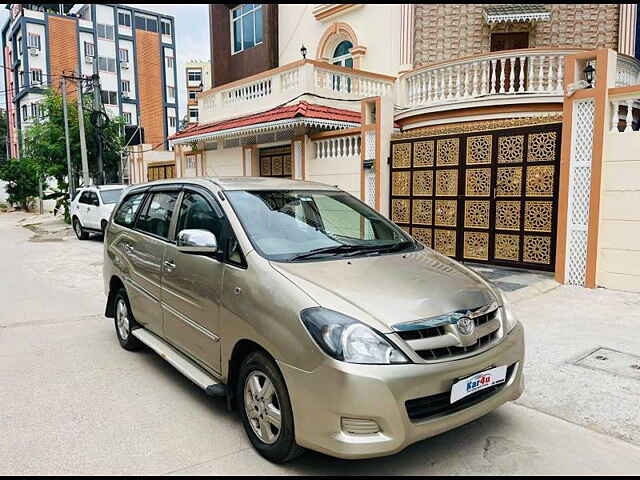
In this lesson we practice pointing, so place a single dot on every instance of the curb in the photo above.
(531, 291)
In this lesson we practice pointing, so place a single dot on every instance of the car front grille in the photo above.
(439, 404)
(442, 342)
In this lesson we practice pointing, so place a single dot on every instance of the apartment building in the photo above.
(449, 118)
(198, 79)
(132, 51)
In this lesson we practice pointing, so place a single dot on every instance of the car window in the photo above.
(197, 213)
(93, 199)
(110, 196)
(156, 217)
(84, 198)
(126, 214)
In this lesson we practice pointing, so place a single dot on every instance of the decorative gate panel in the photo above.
(481, 196)
(275, 162)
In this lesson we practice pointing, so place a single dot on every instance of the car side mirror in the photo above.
(197, 241)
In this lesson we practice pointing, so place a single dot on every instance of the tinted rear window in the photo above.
(126, 213)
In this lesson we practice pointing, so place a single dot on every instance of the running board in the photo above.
(181, 363)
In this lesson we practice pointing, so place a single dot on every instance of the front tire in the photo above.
(103, 227)
(77, 228)
(124, 322)
(265, 409)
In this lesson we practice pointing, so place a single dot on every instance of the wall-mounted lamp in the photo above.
(303, 51)
(588, 74)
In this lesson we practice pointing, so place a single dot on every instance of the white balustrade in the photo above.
(625, 112)
(345, 147)
(627, 71)
(263, 91)
(519, 72)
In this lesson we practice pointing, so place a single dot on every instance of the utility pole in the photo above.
(72, 190)
(83, 140)
(97, 107)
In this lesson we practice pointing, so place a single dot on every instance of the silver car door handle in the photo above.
(128, 248)
(169, 266)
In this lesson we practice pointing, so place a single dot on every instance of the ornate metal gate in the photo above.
(487, 196)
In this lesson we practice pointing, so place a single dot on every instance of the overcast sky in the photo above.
(192, 38)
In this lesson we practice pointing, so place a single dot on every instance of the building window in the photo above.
(34, 110)
(125, 85)
(106, 64)
(171, 62)
(123, 54)
(171, 92)
(124, 18)
(192, 96)
(105, 31)
(247, 26)
(19, 43)
(194, 75)
(193, 115)
(33, 41)
(89, 49)
(127, 117)
(25, 113)
(20, 79)
(36, 76)
(109, 98)
(342, 54)
(172, 121)
(165, 25)
(144, 22)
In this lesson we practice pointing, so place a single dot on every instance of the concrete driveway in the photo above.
(73, 402)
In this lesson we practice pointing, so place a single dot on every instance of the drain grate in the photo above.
(611, 361)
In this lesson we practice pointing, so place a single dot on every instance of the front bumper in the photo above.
(378, 392)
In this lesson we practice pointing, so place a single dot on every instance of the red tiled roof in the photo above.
(301, 109)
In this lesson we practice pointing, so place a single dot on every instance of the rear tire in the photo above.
(124, 322)
(77, 228)
(265, 409)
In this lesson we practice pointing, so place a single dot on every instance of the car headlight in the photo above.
(509, 319)
(348, 340)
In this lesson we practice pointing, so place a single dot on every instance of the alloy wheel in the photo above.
(122, 319)
(262, 407)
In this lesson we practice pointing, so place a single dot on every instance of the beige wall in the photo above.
(140, 161)
(446, 31)
(340, 171)
(619, 249)
(376, 26)
(226, 162)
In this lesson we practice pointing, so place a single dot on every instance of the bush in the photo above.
(22, 182)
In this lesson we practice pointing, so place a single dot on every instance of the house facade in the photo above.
(450, 119)
(132, 51)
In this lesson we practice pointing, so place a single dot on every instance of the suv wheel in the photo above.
(125, 322)
(77, 227)
(265, 409)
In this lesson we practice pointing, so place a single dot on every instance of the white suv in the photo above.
(91, 208)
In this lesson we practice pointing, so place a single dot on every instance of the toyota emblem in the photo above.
(465, 326)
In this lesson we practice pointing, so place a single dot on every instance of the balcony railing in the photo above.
(627, 71)
(274, 87)
(510, 73)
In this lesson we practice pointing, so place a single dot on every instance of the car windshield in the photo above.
(297, 225)
(110, 196)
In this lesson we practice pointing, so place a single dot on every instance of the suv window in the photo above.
(93, 199)
(84, 198)
(126, 214)
(156, 217)
(196, 213)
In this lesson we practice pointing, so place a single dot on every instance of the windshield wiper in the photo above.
(383, 248)
(335, 250)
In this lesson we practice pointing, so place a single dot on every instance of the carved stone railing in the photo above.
(627, 71)
(625, 109)
(532, 72)
(274, 87)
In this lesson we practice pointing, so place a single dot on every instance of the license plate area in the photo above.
(477, 382)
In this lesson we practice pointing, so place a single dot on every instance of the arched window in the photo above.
(342, 54)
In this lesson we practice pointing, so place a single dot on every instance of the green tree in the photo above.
(22, 181)
(44, 144)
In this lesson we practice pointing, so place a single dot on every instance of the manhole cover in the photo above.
(612, 361)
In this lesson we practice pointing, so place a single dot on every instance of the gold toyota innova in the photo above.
(323, 323)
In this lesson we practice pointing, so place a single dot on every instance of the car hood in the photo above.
(389, 289)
